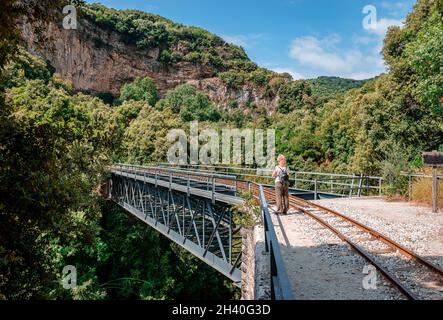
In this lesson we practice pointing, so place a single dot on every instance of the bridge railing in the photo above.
(280, 284)
(162, 199)
(212, 181)
(340, 185)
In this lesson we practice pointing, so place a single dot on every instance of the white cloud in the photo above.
(360, 58)
(394, 5)
(238, 40)
(324, 55)
(365, 40)
(245, 41)
(382, 25)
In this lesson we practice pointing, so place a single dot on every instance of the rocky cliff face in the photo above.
(97, 60)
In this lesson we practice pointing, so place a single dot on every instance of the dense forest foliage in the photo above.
(331, 86)
(385, 125)
(53, 159)
(55, 145)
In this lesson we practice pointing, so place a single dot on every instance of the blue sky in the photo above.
(307, 38)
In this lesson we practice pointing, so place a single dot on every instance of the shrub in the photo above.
(260, 77)
(106, 97)
(247, 214)
(292, 95)
(165, 57)
(191, 104)
(193, 57)
(421, 191)
(240, 65)
(233, 79)
(142, 89)
(276, 84)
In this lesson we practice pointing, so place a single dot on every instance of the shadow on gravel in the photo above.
(334, 271)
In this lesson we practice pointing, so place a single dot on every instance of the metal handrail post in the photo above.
(213, 190)
(380, 186)
(360, 185)
(352, 185)
(170, 181)
(280, 285)
(315, 190)
(189, 185)
(367, 186)
(156, 178)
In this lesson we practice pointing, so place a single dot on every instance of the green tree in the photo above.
(425, 56)
(53, 156)
(233, 79)
(145, 139)
(292, 95)
(142, 89)
(191, 104)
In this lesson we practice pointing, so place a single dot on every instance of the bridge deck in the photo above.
(200, 218)
(208, 189)
(194, 211)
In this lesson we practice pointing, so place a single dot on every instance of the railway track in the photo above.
(395, 262)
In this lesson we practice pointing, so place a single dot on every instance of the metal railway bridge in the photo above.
(192, 206)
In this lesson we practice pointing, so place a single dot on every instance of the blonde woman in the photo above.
(281, 175)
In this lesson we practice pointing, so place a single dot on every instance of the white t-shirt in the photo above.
(279, 171)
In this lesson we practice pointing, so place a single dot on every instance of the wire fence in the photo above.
(340, 185)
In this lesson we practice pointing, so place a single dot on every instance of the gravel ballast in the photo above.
(322, 267)
(413, 226)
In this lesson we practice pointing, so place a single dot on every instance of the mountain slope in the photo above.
(330, 86)
(111, 48)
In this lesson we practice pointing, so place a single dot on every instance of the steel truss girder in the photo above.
(197, 224)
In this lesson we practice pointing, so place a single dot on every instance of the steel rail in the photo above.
(280, 285)
(391, 243)
(301, 205)
(295, 203)
(390, 277)
(396, 282)
(393, 279)
(279, 282)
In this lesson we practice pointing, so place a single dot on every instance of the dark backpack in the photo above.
(283, 175)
